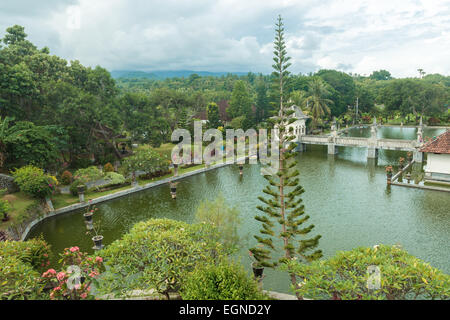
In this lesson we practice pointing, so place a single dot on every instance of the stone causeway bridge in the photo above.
(334, 140)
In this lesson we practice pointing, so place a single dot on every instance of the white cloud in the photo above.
(234, 35)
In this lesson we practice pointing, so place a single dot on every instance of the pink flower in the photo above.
(57, 288)
(77, 286)
(83, 295)
(45, 255)
(93, 274)
(98, 259)
(74, 249)
(49, 272)
(60, 276)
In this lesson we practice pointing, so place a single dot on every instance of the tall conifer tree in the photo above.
(283, 206)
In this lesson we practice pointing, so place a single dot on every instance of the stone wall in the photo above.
(8, 183)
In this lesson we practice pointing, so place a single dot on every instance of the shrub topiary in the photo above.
(157, 254)
(34, 181)
(347, 276)
(114, 179)
(66, 178)
(108, 168)
(88, 174)
(226, 281)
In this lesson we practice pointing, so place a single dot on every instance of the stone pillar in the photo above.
(49, 204)
(372, 153)
(300, 147)
(81, 189)
(418, 156)
(332, 148)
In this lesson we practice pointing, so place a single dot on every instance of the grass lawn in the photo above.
(19, 203)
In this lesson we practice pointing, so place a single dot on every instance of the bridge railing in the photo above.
(352, 141)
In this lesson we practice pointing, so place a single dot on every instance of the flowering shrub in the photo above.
(108, 168)
(74, 281)
(66, 178)
(34, 181)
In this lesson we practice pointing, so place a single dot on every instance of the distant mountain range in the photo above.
(163, 74)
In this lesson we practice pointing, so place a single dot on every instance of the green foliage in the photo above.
(108, 167)
(262, 102)
(4, 208)
(238, 122)
(225, 281)
(20, 266)
(213, 115)
(224, 218)
(317, 98)
(381, 75)
(114, 178)
(34, 181)
(345, 276)
(241, 102)
(89, 174)
(157, 254)
(147, 160)
(66, 178)
(31, 144)
(74, 187)
(342, 87)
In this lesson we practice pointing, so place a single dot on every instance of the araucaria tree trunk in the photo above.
(284, 204)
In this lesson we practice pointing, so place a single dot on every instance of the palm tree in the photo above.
(317, 99)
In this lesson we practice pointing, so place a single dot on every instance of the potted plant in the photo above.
(81, 188)
(389, 173)
(89, 212)
(258, 270)
(97, 241)
(409, 156)
(400, 162)
(98, 238)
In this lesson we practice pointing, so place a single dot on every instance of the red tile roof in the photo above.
(439, 145)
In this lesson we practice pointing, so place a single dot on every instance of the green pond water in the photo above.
(345, 195)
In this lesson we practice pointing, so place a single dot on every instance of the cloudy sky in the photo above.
(236, 35)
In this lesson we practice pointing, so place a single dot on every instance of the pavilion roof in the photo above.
(439, 145)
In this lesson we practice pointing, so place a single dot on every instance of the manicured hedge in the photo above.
(225, 281)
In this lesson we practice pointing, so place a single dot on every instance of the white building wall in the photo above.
(439, 163)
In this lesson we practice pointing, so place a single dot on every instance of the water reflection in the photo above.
(346, 196)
